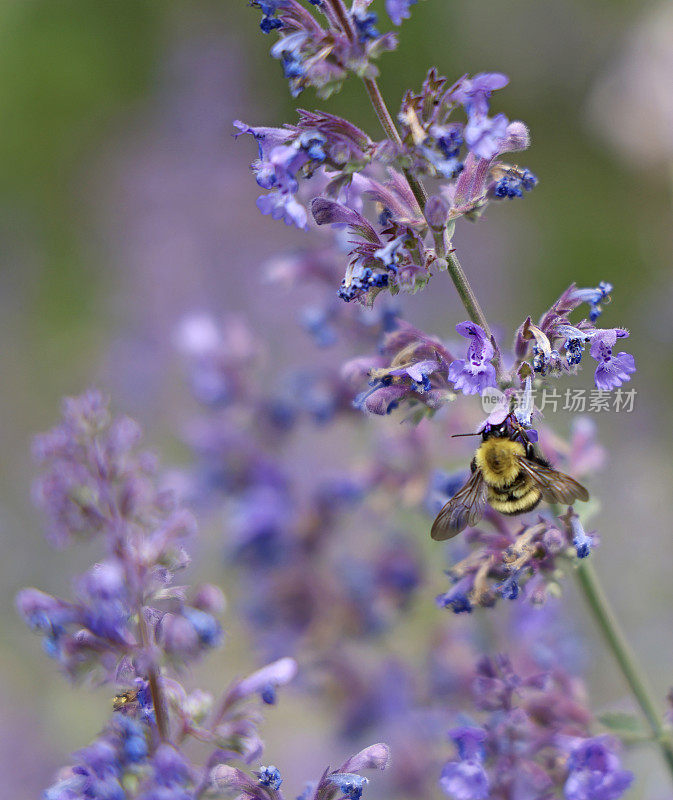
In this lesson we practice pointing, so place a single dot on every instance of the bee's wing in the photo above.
(556, 487)
(466, 507)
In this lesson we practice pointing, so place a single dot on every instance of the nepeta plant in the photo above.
(508, 718)
(130, 626)
(395, 237)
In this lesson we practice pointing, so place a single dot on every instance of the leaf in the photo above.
(622, 724)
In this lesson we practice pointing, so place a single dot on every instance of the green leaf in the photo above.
(622, 724)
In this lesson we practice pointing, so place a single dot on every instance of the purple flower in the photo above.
(269, 776)
(481, 176)
(389, 254)
(276, 674)
(582, 541)
(483, 134)
(106, 602)
(376, 756)
(289, 50)
(419, 372)
(594, 297)
(474, 93)
(382, 398)
(458, 597)
(469, 741)
(512, 561)
(594, 771)
(282, 154)
(267, 138)
(399, 9)
(612, 370)
(170, 766)
(365, 23)
(474, 373)
(465, 780)
(514, 182)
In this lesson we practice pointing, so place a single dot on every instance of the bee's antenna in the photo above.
(456, 435)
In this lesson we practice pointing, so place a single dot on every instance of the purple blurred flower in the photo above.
(582, 541)
(465, 780)
(474, 373)
(399, 9)
(519, 749)
(277, 674)
(595, 771)
(416, 371)
(283, 205)
(511, 561)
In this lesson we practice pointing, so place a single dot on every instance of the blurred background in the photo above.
(126, 204)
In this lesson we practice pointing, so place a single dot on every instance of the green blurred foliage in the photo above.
(66, 68)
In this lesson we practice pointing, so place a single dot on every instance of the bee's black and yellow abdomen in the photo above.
(511, 503)
(517, 497)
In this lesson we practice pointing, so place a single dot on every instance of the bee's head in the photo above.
(501, 431)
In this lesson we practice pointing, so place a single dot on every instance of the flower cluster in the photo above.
(320, 50)
(97, 482)
(514, 559)
(436, 141)
(533, 742)
(129, 625)
(412, 367)
(400, 237)
(555, 346)
(418, 370)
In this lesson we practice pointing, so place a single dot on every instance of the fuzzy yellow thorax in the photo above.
(497, 460)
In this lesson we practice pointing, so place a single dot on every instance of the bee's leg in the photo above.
(473, 465)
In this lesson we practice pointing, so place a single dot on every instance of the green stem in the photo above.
(460, 281)
(614, 636)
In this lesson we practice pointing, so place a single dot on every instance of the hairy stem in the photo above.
(614, 636)
(388, 126)
(341, 13)
(155, 686)
(442, 241)
(460, 281)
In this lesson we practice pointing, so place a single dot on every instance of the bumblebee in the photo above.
(125, 701)
(510, 475)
